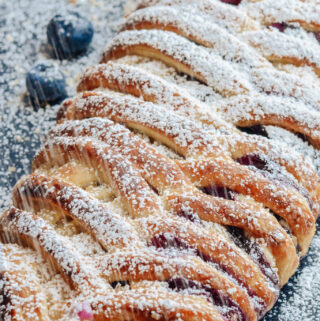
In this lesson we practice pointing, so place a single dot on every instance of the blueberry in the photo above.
(69, 34)
(46, 84)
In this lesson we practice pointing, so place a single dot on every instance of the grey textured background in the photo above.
(22, 43)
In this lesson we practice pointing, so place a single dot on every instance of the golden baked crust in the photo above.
(145, 202)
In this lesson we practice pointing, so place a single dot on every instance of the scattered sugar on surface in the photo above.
(162, 149)
(22, 49)
(206, 65)
(222, 14)
(268, 11)
(24, 25)
(193, 87)
(297, 143)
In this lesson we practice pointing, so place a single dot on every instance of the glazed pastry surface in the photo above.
(149, 200)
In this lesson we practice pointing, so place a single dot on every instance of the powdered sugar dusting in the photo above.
(224, 15)
(196, 26)
(268, 11)
(229, 68)
(278, 46)
(23, 25)
(204, 65)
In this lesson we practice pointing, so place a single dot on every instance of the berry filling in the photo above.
(116, 284)
(302, 137)
(161, 241)
(275, 173)
(189, 216)
(219, 191)
(5, 299)
(255, 130)
(234, 2)
(254, 250)
(317, 36)
(231, 310)
(281, 26)
(285, 226)
(169, 241)
(85, 312)
(253, 160)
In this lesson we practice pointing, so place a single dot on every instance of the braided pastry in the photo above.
(145, 202)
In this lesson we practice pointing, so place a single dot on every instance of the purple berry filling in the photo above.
(256, 129)
(85, 313)
(234, 2)
(219, 191)
(302, 137)
(161, 241)
(215, 296)
(285, 227)
(281, 26)
(189, 216)
(256, 253)
(317, 36)
(253, 160)
(114, 284)
(273, 171)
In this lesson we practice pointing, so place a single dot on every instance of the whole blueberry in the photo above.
(69, 34)
(46, 84)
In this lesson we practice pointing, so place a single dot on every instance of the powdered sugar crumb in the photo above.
(22, 49)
